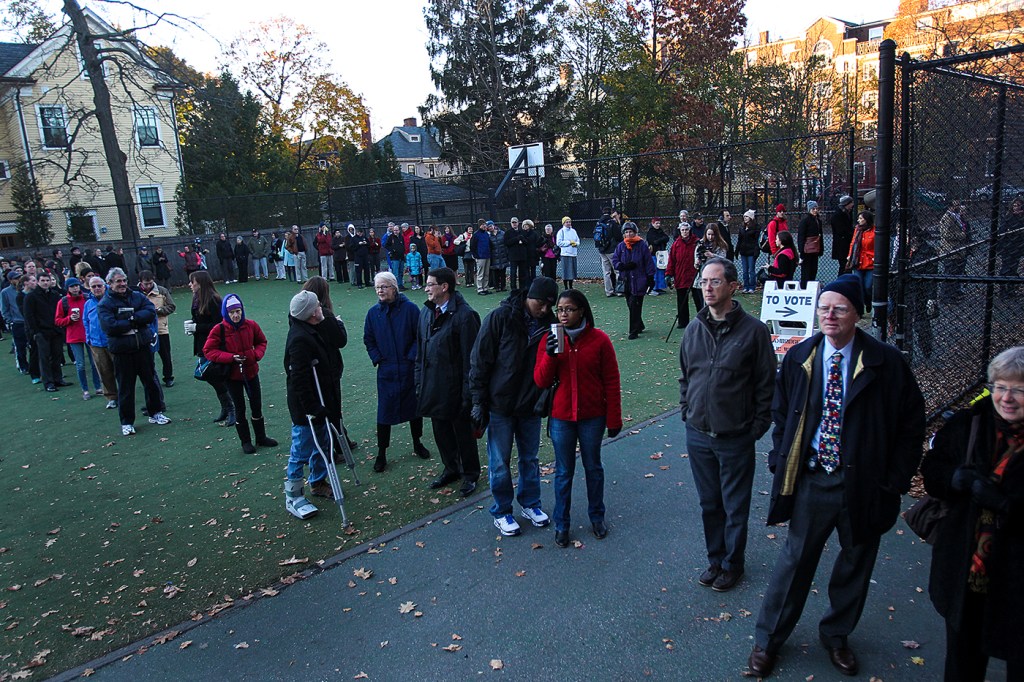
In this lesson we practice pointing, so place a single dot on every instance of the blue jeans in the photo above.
(78, 351)
(723, 471)
(435, 261)
(865, 280)
(749, 272)
(500, 433)
(304, 452)
(398, 269)
(564, 436)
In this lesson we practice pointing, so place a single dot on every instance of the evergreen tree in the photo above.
(33, 218)
(495, 63)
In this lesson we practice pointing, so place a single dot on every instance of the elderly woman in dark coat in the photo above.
(389, 335)
(976, 466)
(632, 258)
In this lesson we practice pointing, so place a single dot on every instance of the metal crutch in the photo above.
(332, 471)
(343, 445)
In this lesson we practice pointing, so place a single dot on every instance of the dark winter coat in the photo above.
(503, 358)
(389, 335)
(534, 246)
(842, 234)
(517, 244)
(225, 250)
(636, 277)
(480, 245)
(143, 261)
(241, 252)
(358, 246)
(127, 321)
(810, 226)
(499, 254)
(40, 310)
(205, 321)
(657, 240)
(163, 266)
(340, 245)
(783, 266)
(747, 239)
(303, 351)
(443, 349)
(1003, 629)
(883, 428)
(114, 260)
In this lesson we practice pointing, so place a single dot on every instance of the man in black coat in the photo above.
(505, 398)
(40, 310)
(849, 425)
(516, 243)
(448, 328)
(313, 399)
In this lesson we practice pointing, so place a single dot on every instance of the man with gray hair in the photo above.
(127, 318)
(726, 384)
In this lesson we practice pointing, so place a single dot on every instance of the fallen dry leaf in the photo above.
(393, 581)
(21, 675)
(88, 672)
(456, 636)
(164, 638)
(185, 644)
(54, 531)
(917, 660)
(361, 676)
(452, 647)
(406, 607)
(292, 561)
(535, 545)
(910, 644)
(520, 574)
(192, 562)
(497, 664)
(648, 475)
(269, 592)
(363, 573)
(242, 645)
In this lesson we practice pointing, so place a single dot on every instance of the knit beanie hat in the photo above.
(811, 205)
(302, 305)
(849, 286)
(72, 281)
(566, 219)
(543, 289)
(750, 214)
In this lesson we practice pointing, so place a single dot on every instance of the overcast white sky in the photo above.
(378, 47)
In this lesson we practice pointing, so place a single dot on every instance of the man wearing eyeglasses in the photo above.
(444, 341)
(725, 390)
(849, 424)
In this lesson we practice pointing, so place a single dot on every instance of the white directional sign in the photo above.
(789, 312)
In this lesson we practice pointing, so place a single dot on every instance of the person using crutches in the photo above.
(304, 351)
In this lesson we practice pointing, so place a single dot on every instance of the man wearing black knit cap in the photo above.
(505, 398)
(849, 424)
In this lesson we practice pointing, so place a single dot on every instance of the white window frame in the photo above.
(876, 33)
(410, 168)
(413, 137)
(156, 126)
(160, 203)
(431, 170)
(42, 128)
(5, 171)
(95, 221)
(81, 61)
(321, 164)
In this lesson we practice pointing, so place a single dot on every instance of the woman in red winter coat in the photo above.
(241, 343)
(69, 317)
(683, 271)
(588, 399)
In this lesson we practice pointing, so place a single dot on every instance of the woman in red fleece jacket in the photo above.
(587, 399)
(241, 343)
(69, 316)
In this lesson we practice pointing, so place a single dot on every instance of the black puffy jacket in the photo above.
(501, 365)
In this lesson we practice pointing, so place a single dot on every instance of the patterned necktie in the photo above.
(831, 424)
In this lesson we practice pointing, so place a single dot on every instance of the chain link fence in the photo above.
(958, 196)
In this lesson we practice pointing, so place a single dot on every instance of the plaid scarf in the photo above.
(1009, 442)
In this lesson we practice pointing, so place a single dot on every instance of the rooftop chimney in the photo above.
(762, 38)
(409, 122)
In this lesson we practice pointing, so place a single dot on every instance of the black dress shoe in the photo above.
(421, 451)
(467, 488)
(600, 530)
(726, 580)
(842, 658)
(63, 383)
(761, 663)
(380, 464)
(562, 538)
(707, 578)
(50, 388)
(444, 479)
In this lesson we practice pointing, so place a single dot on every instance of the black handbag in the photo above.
(925, 517)
(213, 371)
(546, 399)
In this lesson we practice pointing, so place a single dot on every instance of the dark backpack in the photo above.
(762, 241)
(601, 238)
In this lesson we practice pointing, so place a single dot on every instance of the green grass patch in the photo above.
(107, 539)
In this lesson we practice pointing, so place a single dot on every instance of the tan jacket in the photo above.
(161, 299)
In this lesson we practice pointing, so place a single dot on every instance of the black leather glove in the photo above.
(480, 416)
(552, 345)
(614, 432)
(963, 478)
(650, 282)
(988, 495)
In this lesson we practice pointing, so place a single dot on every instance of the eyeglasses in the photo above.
(120, 281)
(566, 311)
(715, 283)
(999, 389)
(837, 310)
(431, 285)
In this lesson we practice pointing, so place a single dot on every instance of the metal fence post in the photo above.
(883, 186)
(903, 261)
(997, 191)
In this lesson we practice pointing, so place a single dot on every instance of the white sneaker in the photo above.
(127, 430)
(536, 516)
(507, 525)
(159, 418)
(111, 404)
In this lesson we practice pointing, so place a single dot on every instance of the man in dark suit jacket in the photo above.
(849, 425)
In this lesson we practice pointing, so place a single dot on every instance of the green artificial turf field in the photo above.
(106, 539)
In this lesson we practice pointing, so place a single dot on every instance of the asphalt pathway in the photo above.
(450, 599)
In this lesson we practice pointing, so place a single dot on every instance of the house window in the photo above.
(5, 170)
(860, 170)
(414, 138)
(150, 208)
(822, 90)
(410, 169)
(146, 128)
(82, 224)
(53, 127)
(430, 169)
(81, 60)
(321, 164)
(751, 58)
(875, 33)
